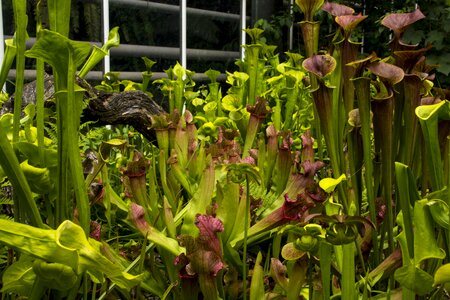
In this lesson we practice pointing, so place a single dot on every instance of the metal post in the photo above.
(183, 35)
(2, 40)
(105, 13)
(243, 25)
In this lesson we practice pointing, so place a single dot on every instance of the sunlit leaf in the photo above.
(231, 102)
(329, 184)
(66, 245)
(442, 275)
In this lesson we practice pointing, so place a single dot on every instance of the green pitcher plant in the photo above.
(315, 175)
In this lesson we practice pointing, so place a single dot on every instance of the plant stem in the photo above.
(325, 268)
(76, 171)
(362, 86)
(246, 225)
(383, 115)
(20, 17)
(348, 272)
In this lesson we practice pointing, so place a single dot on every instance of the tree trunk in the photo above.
(133, 108)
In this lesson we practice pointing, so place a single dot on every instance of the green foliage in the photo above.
(269, 171)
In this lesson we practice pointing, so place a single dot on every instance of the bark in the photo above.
(133, 108)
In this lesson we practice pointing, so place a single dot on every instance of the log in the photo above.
(133, 108)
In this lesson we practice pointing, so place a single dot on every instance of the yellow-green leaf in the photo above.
(329, 184)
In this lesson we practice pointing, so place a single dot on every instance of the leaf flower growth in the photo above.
(307, 240)
(341, 229)
(398, 23)
(309, 7)
(204, 255)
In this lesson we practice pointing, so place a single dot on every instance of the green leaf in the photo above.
(66, 245)
(436, 38)
(254, 34)
(8, 59)
(106, 146)
(148, 63)
(19, 277)
(55, 275)
(31, 152)
(442, 275)
(98, 54)
(439, 212)
(113, 39)
(257, 283)
(179, 71)
(231, 103)
(212, 74)
(425, 244)
(59, 16)
(11, 168)
(329, 184)
(309, 7)
(209, 107)
(38, 178)
(227, 197)
(201, 199)
(415, 279)
(54, 48)
(429, 116)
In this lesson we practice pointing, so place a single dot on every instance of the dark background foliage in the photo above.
(146, 27)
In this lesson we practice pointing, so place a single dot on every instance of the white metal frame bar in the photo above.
(133, 50)
(183, 33)
(105, 15)
(243, 26)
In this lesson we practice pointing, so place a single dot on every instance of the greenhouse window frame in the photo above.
(182, 53)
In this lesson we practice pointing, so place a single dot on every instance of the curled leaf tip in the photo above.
(388, 72)
(399, 22)
(320, 65)
(309, 7)
(349, 22)
(336, 9)
(137, 216)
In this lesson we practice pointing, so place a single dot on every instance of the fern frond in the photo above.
(6, 201)
(6, 217)
(51, 131)
(267, 197)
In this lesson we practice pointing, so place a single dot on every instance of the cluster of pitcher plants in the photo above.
(320, 176)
